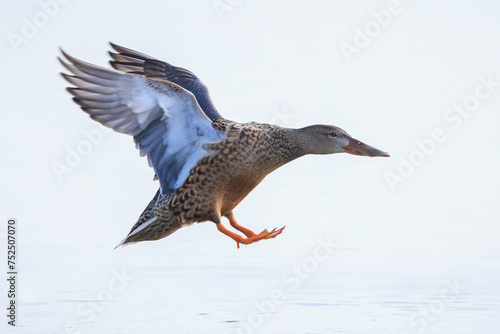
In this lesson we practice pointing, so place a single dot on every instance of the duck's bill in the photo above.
(359, 148)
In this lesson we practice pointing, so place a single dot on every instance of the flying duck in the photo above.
(205, 164)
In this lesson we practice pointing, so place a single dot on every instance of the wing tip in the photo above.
(67, 57)
(115, 46)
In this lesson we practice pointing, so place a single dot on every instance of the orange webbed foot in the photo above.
(261, 236)
(251, 237)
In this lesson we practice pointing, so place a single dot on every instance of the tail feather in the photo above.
(129, 237)
(150, 225)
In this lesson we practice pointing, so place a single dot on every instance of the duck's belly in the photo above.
(214, 189)
(236, 190)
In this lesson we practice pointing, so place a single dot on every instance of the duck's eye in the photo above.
(332, 134)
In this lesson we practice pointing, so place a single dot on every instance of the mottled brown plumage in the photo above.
(220, 181)
(206, 164)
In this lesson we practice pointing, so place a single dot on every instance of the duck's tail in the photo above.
(151, 225)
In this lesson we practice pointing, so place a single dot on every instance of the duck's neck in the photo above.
(294, 144)
(302, 141)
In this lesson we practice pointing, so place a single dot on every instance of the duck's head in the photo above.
(328, 139)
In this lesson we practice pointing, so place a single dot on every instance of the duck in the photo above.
(205, 164)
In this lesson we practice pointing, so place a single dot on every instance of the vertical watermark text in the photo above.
(12, 271)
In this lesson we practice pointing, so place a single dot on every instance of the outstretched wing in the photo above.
(131, 61)
(165, 120)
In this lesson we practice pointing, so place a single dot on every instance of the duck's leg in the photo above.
(237, 226)
(251, 236)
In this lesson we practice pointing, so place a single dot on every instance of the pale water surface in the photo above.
(252, 290)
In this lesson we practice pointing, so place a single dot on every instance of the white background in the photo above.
(276, 62)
